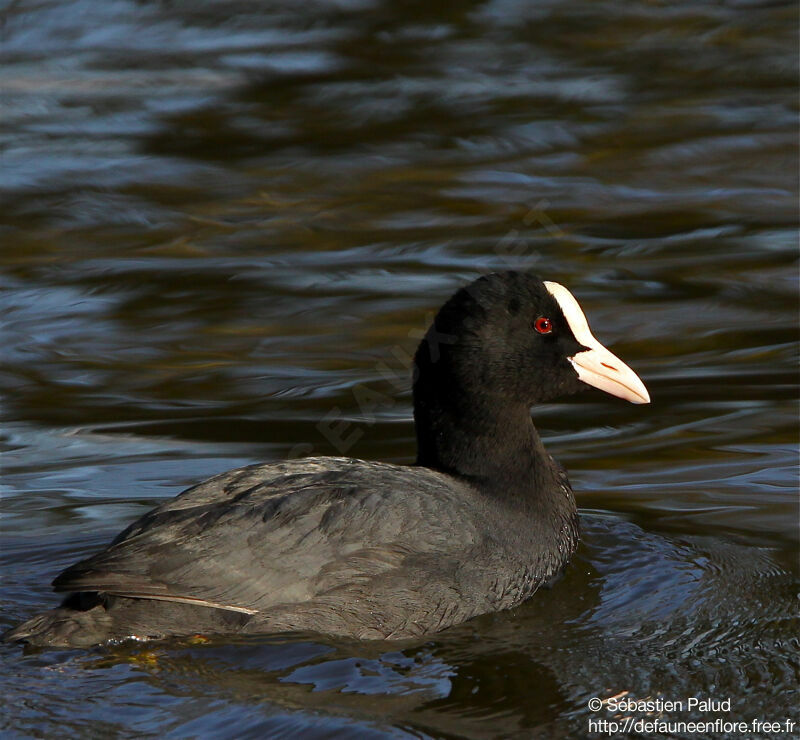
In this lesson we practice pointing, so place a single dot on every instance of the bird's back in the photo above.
(336, 545)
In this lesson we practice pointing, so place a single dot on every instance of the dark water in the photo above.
(222, 222)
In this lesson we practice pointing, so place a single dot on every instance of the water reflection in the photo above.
(220, 220)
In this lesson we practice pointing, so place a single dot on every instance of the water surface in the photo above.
(226, 225)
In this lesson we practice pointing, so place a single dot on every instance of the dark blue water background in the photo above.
(221, 221)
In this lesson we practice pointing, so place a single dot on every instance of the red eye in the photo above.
(543, 325)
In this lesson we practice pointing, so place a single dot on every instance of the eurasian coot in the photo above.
(369, 549)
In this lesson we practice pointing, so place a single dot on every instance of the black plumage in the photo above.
(366, 549)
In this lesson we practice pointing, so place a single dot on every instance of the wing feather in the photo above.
(273, 534)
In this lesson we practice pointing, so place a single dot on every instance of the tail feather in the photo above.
(86, 619)
(63, 627)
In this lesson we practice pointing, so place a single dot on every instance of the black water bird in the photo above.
(368, 549)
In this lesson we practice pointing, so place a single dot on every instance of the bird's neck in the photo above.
(492, 444)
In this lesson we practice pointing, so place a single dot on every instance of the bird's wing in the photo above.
(276, 534)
